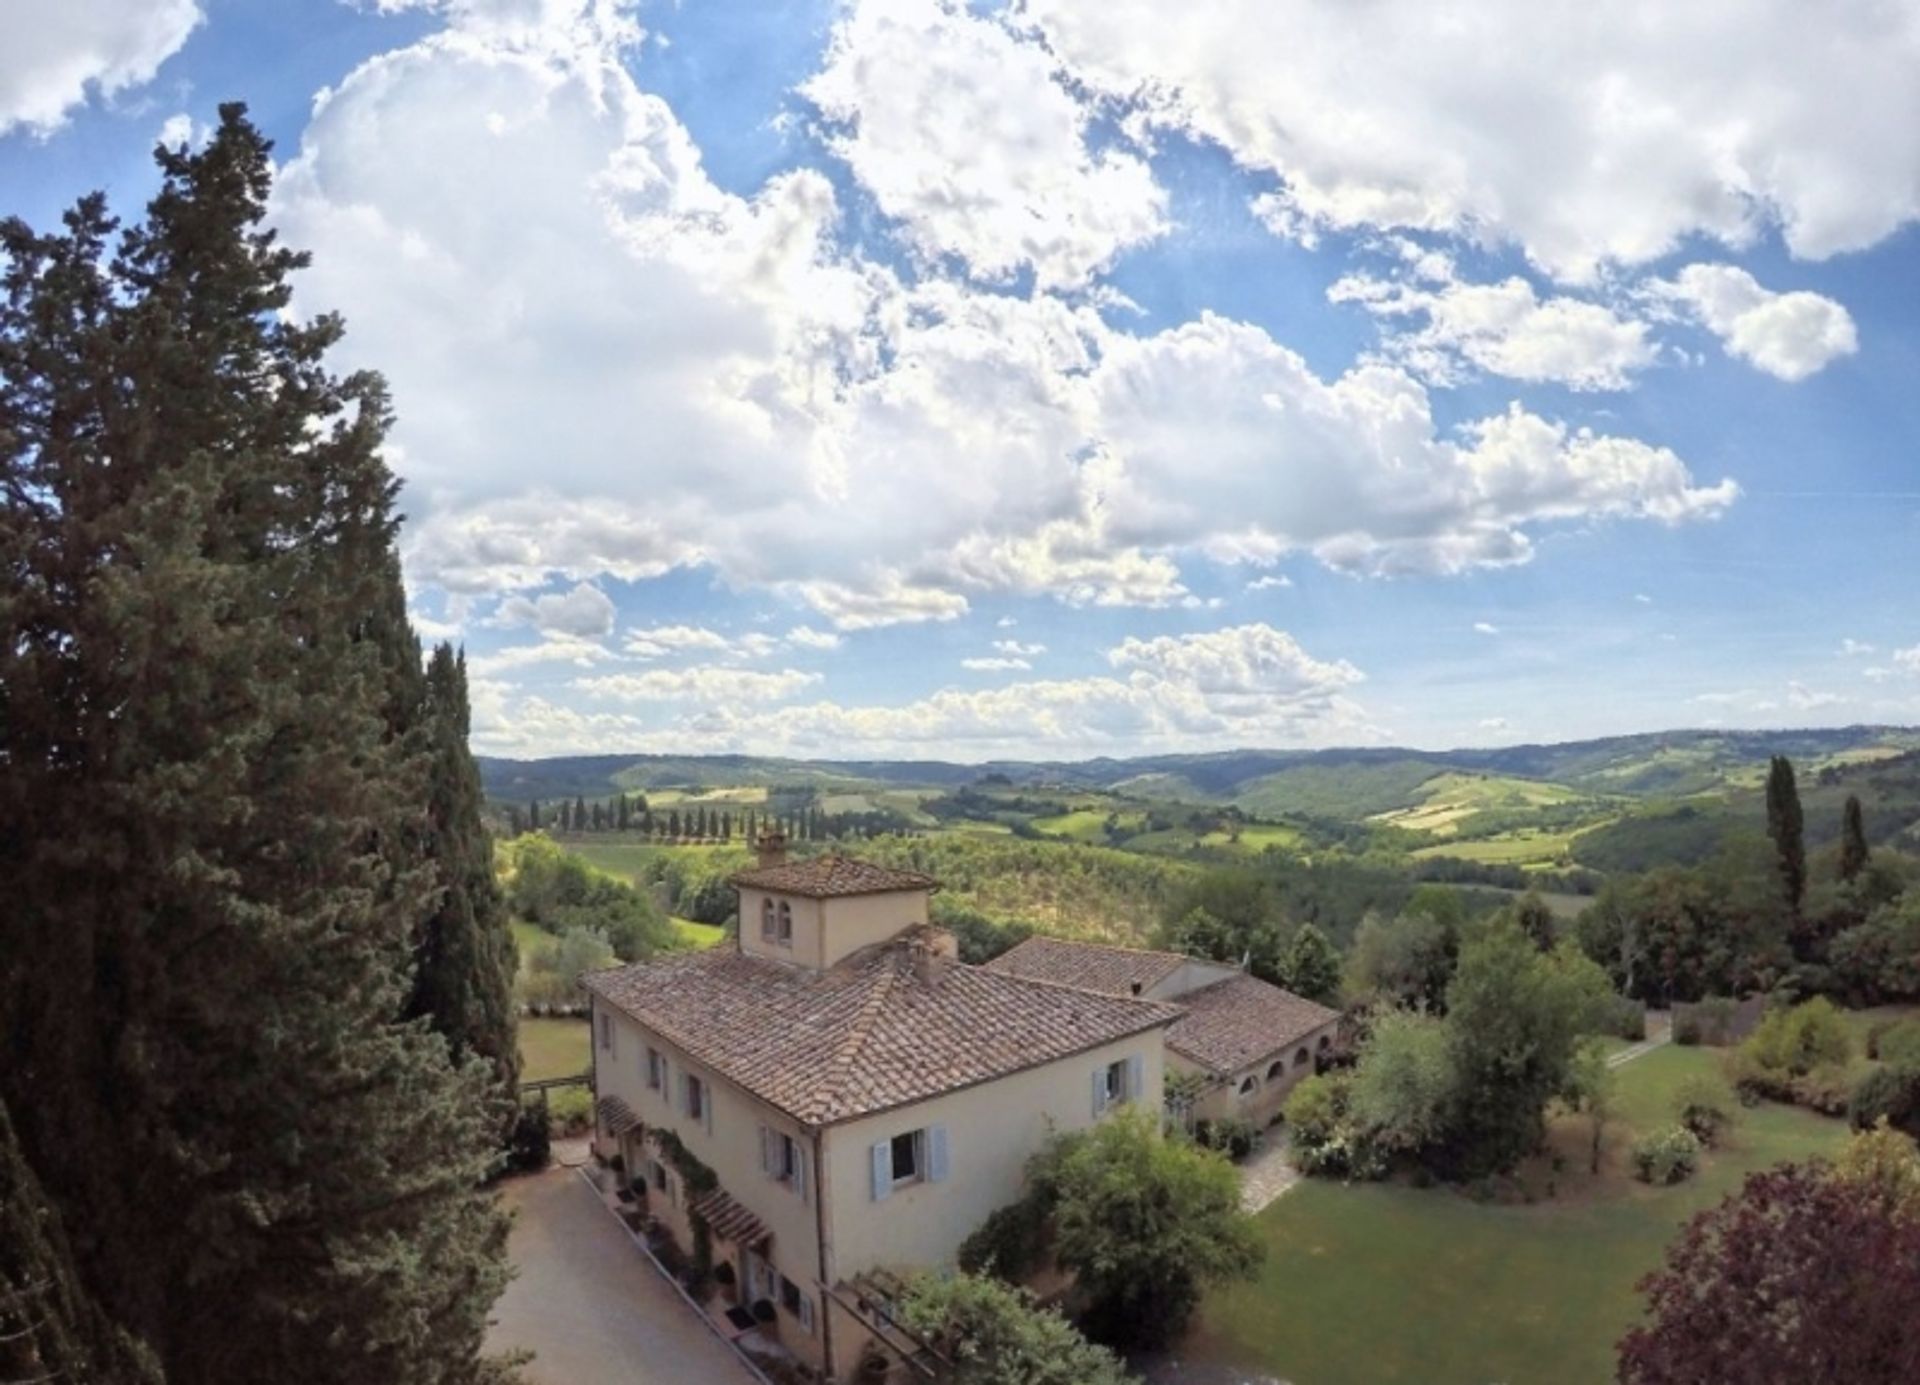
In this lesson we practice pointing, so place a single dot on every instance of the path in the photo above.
(589, 1304)
(1659, 1035)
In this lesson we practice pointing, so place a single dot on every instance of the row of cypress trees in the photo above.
(254, 972)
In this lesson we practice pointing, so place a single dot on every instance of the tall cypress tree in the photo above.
(1788, 829)
(465, 958)
(208, 821)
(1854, 851)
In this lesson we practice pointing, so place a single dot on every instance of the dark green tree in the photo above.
(579, 814)
(1787, 828)
(210, 813)
(623, 813)
(1311, 966)
(465, 957)
(1530, 911)
(1854, 852)
(534, 822)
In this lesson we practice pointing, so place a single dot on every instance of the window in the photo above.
(606, 1033)
(784, 1159)
(696, 1098)
(913, 1156)
(766, 918)
(1247, 1086)
(656, 1070)
(1278, 1069)
(1301, 1057)
(906, 1157)
(785, 934)
(796, 1303)
(1118, 1082)
(1326, 1042)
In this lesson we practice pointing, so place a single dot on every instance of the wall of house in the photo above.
(805, 948)
(857, 921)
(1269, 1093)
(1190, 975)
(729, 1145)
(825, 930)
(992, 1129)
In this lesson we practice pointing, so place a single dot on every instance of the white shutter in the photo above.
(1136, 1077)
(882, 1170)
(936, 1153)
(766, 1152)
(1099, 1092)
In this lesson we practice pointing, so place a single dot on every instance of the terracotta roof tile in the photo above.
(823, 877)
(869, 1034)
(1242, 1020)
(1089, 966)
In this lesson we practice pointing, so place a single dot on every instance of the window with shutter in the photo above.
(1136, 1077)
(882, 1171)
(936, 1153)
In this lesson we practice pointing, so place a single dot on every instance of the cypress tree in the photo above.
(579, 814)
(624, 813)
(533, 816)
(210, 818)
(1853, 839)
(465, 957)
(1788, 830)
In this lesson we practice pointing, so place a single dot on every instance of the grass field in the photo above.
(552, 1048)
(1381, 1282)
(698, 935)
(1521, 847)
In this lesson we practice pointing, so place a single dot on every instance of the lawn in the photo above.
(552, 1048)
(698, 935)
(1391, 1283)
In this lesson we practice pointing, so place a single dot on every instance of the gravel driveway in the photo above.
(588, 1303)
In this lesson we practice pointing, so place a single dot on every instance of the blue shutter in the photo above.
(1136, 1077)
(766, 1152)
(801, 1172)
(1099, 1092)
(936, 1153)
(882, 1170)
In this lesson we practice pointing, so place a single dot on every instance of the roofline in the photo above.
(738, 881)
(1281, 1048)
(1158, 1022)
(1112, 947)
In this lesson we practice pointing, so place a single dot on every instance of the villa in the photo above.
(835, 1096)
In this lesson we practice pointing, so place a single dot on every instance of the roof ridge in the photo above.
(840, 1064)
(1109, 947)
(1072, 989)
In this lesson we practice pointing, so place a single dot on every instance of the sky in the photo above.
(1058, 378)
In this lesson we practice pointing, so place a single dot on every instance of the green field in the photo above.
(698, 935)
(553, 1048)
(1377, 1282)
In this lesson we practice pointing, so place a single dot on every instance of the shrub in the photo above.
(1011, 1242)
(529, 1145)
(1705, 1105)
(1796, 1041)
(992, 1333)
(1233, 1137)
(1827, 1089)
(1897, 1044)
(1625, 1018)
(1887, 1093)
(570, 1110)
(1666, 1156)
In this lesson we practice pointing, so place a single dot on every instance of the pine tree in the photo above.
(50, 1329)
(465, 957)
(1854, 851)
(210, 816)
(1788, 830)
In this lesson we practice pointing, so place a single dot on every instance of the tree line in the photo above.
(254, 969)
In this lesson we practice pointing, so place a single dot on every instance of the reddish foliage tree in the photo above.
(1800, 1277)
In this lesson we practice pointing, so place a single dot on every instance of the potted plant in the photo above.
(763, 1312)
(873, 1366)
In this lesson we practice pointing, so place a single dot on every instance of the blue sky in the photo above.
(1066, 378)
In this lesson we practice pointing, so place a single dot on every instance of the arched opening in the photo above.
(1278, 1069)
(785, 933)
(766, 918)
(1301, 1057)
(1249, 1084)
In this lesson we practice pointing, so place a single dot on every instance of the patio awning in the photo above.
(730, 1221)
(615, 1115)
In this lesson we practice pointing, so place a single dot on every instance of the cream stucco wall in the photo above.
(731, 1148)
(1269, 1094)
(825, 930)
(992, 1129)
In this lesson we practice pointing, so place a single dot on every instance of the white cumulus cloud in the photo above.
(585, 611)
(1789, 335)
(53, 51)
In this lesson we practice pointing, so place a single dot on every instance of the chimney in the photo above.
(927, 965)
(772, 847)
(1134, 987)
